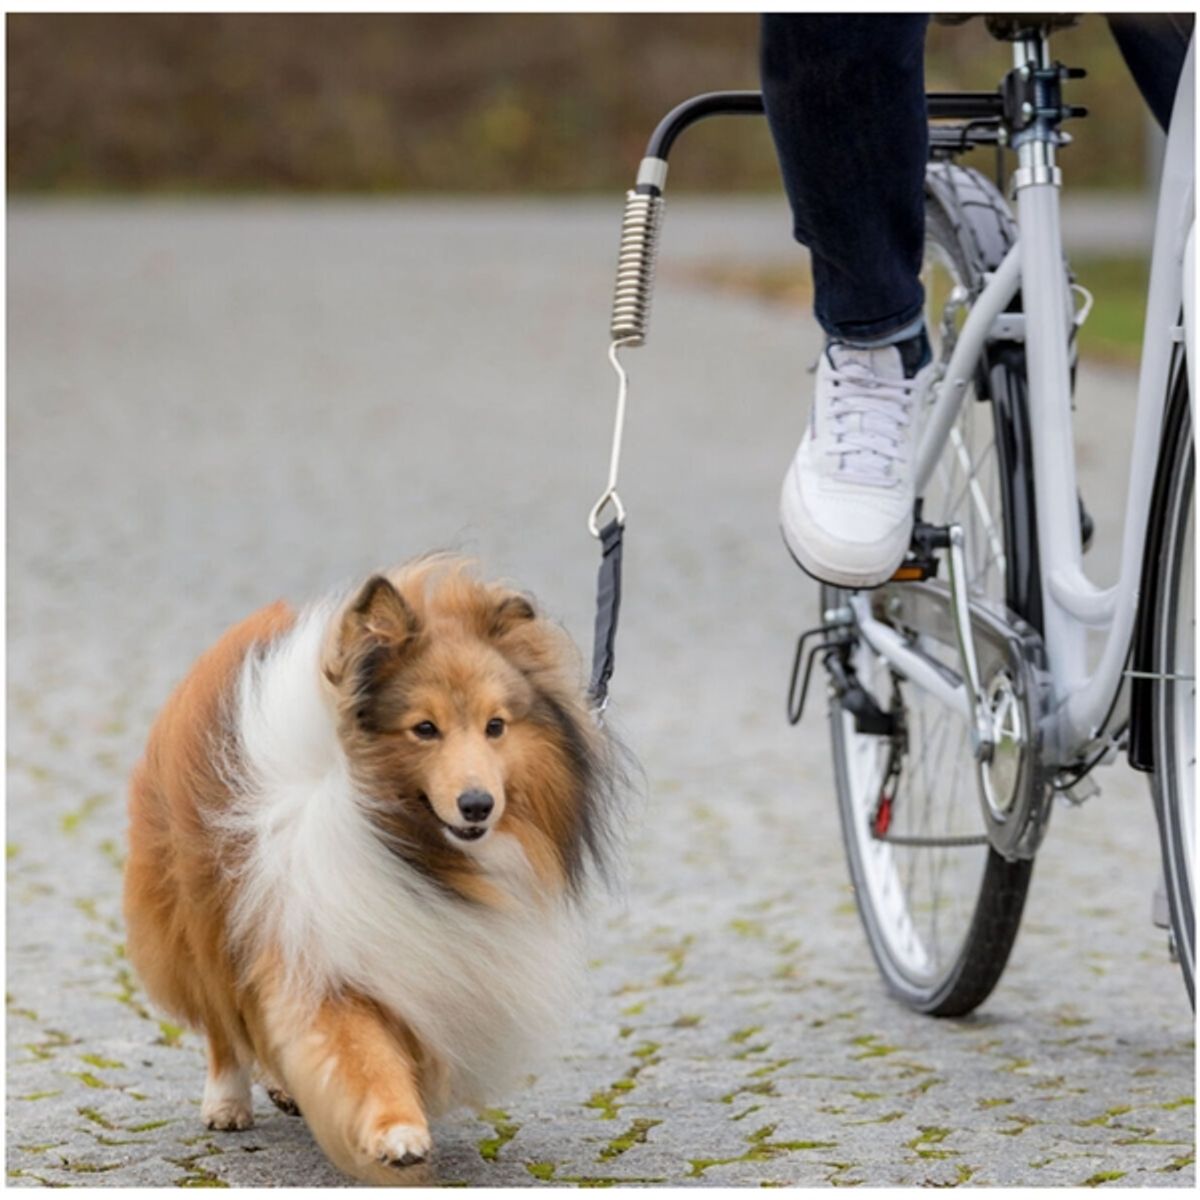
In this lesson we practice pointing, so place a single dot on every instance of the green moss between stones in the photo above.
(70, 822)
(112, 852)
(86, 1168)
(747, 929)
(505, 1130)
(746, 1113)
(97, 1060)
(635, 1135)
(762, 1149)
(886, 1119)
(872, 1047)
(1102, 1177)
(10, 1002)
(1178, 1163)
(675, 957)
(930, 1136)
(606, 1100)
(97, 1118)
(88, 1079)
(169, 1034)
(764, 1088)
(769, 1068)
(744, 1035)
(128, 992)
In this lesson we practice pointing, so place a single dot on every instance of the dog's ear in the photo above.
(510, 612)
(380, 612)
(377, 626)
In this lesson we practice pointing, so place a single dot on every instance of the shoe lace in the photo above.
(867, 447)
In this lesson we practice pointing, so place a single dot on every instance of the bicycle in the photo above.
(960, 705)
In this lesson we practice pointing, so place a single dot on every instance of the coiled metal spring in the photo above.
(635, 267)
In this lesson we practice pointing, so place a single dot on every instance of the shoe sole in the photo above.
(845, 580)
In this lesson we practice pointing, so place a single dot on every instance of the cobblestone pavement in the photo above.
(214, 404)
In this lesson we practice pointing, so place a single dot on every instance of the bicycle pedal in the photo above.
(914, 570)
(921, 562)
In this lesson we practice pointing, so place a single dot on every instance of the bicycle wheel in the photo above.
(939, 906)
(1175, 695)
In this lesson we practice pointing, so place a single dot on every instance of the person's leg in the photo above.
(845, 99)
(1154, 46)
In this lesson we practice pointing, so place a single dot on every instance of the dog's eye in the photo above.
(426, 731)
(494, 728)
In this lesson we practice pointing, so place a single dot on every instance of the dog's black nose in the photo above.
(476, 805)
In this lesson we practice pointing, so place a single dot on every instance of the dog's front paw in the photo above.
(400, 1145)
(227, 1114)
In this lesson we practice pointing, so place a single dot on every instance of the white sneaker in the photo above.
(847, 504)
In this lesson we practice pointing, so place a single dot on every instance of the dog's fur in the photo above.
(296, 887)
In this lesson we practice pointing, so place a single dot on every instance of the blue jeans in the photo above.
(845, 99)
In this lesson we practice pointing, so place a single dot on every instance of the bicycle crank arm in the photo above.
(982, 741)
(915, 627)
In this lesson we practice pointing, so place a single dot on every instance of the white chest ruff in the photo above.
(483, 990)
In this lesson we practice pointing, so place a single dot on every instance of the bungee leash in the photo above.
(630, 315)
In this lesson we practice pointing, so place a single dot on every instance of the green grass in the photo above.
(1113, 331)
(1111, 335)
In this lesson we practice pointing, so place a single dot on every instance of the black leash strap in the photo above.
(608, 608)
(608, 582)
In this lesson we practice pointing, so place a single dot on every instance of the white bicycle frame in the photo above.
(1072, 603)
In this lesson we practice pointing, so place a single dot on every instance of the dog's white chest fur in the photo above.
(483, 989)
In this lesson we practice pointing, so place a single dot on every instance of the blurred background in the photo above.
(220, 102)
(204, 103)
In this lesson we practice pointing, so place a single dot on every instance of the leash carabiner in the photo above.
(609, 495)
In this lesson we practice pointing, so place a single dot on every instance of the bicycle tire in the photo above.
(967, 221)
(1174, 700)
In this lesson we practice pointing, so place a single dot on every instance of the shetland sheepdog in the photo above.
(362, 838)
